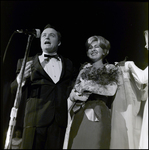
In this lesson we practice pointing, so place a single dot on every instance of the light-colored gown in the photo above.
(127, 110)
(143, 144)
(141, 78)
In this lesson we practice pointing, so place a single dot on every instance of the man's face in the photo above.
(49, 40)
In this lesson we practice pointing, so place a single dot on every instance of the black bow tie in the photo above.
(52, 56)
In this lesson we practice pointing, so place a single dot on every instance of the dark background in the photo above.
(122, 23)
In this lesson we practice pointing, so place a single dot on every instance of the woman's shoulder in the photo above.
(107, 67)
(110, 66)
(85, 65)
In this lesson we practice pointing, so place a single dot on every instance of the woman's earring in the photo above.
(106, 61)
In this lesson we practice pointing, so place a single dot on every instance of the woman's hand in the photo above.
(137, 72)
(78, 96)
(128, 66)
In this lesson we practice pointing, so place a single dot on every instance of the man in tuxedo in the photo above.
(46, 86)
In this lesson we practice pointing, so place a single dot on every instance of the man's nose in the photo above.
(47, 36)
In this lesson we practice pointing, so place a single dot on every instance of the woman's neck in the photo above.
(98, 64)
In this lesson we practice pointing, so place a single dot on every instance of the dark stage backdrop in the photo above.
(122, 23)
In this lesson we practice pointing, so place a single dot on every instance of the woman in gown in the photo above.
(129, 121)
(141, 78)
(89, 118)
(143, 144)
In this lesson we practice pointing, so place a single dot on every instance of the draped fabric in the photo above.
(143, 143)
(126, 113)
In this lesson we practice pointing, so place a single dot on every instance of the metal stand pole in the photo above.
(14, 109)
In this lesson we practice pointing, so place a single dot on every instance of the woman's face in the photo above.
(95, 52)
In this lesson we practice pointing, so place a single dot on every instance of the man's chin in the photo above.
(50, 51)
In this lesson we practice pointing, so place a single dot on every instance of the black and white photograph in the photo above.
(74, 74)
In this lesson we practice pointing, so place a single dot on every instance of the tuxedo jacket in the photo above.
(45, 100)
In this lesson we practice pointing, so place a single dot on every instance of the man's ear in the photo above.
(59, 43)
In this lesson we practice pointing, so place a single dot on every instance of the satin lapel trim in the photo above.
(63, 67)
(37, 66)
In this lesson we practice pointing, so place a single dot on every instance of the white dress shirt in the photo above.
(52, 67)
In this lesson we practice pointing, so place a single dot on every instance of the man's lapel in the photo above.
(63, 67)
(38, 71)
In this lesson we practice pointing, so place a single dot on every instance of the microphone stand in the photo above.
(14, 109)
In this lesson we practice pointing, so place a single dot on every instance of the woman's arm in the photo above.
(75, 96)
(140, 76)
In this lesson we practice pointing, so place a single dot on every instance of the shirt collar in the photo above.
(55, 53)
(44, 58)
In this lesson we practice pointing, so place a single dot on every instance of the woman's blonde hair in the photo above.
(103, 43)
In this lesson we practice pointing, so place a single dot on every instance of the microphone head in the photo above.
(19, 31)
(34, 32)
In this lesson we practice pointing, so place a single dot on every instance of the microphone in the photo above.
(34, 32)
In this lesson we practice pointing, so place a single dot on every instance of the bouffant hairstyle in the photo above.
(103, 43)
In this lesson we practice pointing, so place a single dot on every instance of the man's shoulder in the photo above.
(66, 59)
(29, 58)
